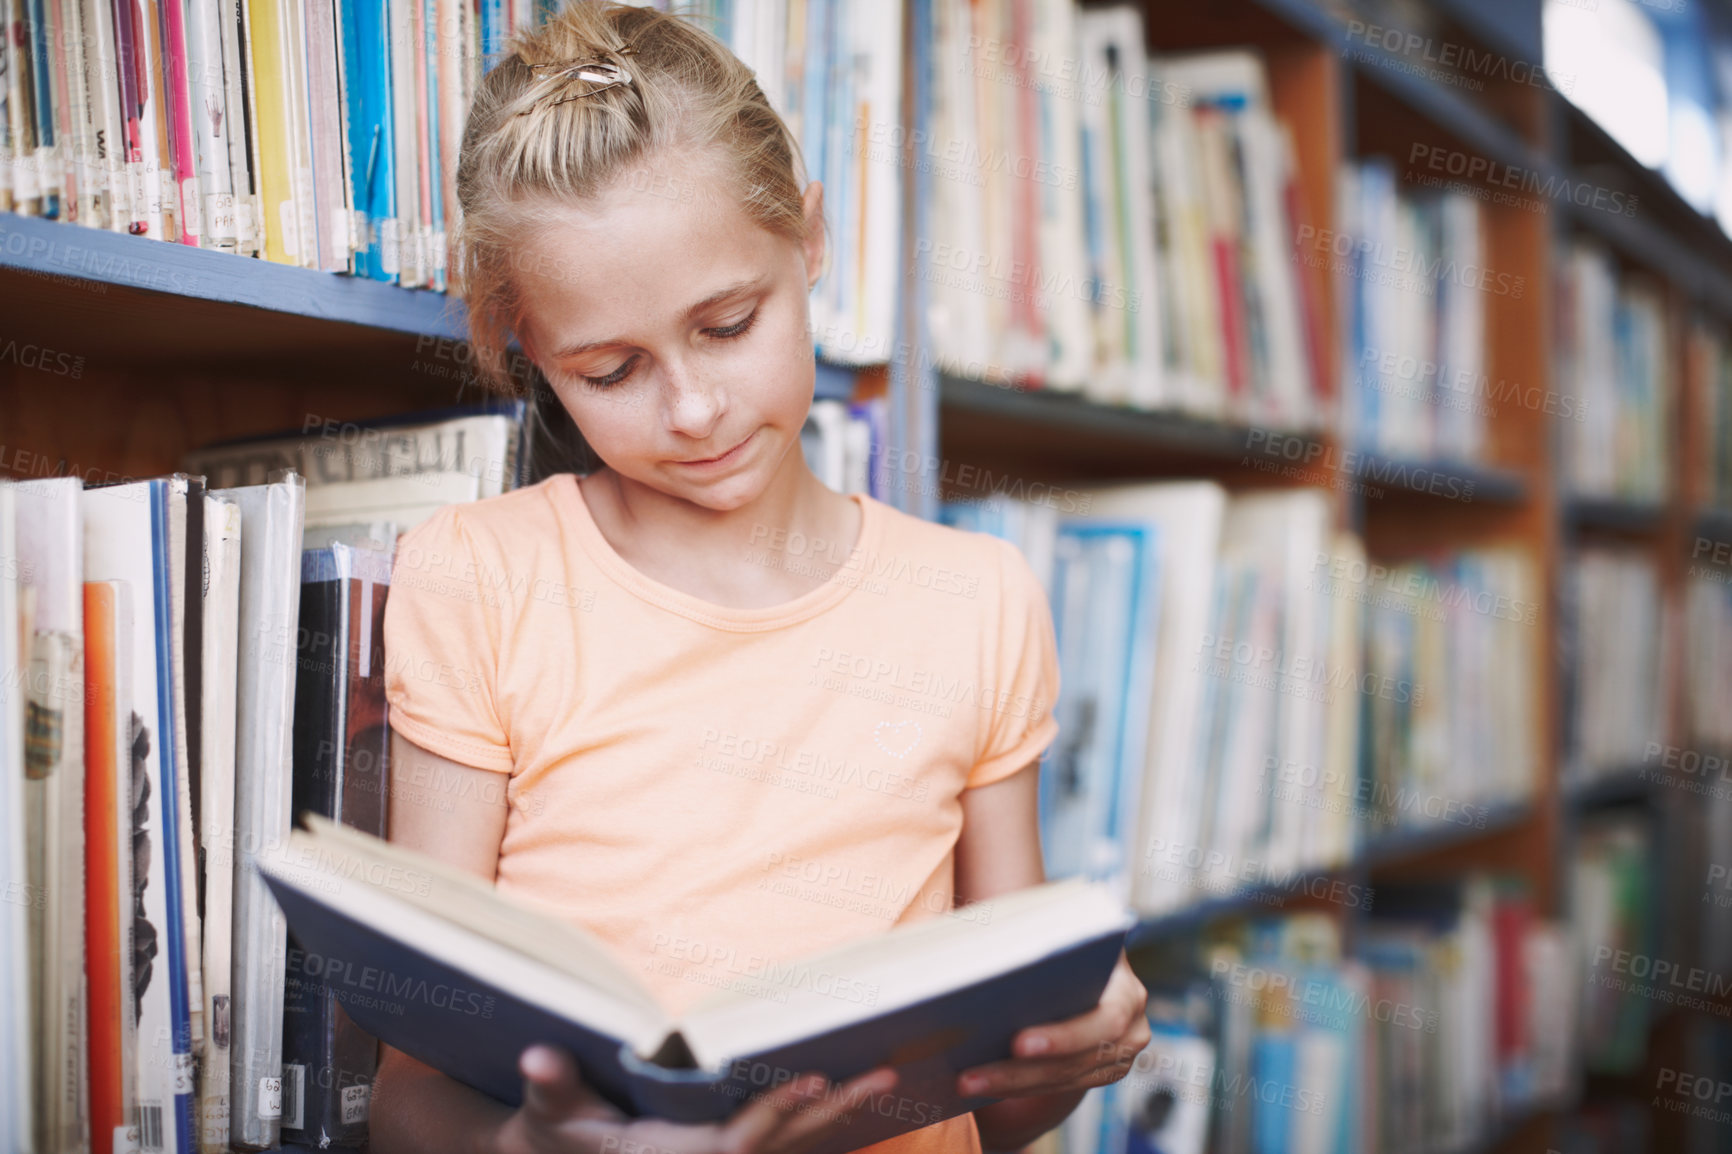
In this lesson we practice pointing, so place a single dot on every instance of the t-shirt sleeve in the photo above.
(442, 648)
(1019, 724)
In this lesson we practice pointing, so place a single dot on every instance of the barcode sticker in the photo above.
(149, 1127)
(355, 1099)
(270, 1098)
(294, 1087)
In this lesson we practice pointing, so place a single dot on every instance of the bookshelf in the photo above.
(179, 346)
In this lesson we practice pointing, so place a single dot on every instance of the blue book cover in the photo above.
(372, 179)
(168, 816)
(460, 998)
(1105, 595)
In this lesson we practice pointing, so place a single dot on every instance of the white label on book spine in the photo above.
(270, 1097)
(126, 1140)
(246, 234)
(183, 1073)
(389, 254)
(341, 239)
(355, 1099)
(219, 216)
(48, 162)
(439, 250)
(194, 222)
(24, 185)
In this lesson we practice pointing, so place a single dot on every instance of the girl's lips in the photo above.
(707, 462)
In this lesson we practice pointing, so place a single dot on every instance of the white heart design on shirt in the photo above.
(897, 738)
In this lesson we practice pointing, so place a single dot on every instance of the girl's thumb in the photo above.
(551, 1088)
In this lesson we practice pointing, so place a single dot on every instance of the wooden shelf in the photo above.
(1614, 514)
(1445, 107)
(1397, 848)
(1714, 524)
(1621, 787)
(1459, 481)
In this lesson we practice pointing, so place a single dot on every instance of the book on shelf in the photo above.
(216, 811)
(1709, 377)
(1612, 890)
(48, 534)
(1211, 699)
(948, 993)
(268, 612)
(1614, 360)
(1123, 228)
(1623, 639)
(1450, 684)
(17, 1083)
(1414, 289)
(325, 135)
(341, 758)
(128, 537)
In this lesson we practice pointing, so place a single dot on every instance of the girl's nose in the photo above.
(693, 405)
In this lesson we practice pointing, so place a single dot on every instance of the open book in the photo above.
(440, 965)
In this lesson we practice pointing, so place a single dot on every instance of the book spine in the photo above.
(46, 93)
(245, 153)
(108, 860)
(213, 118)
(101, 66)
(155, 161)
(217, 824)
(323, 103)
(177, 1119)
(435, 174)
(280, 222)
(20, 115)
(182, 170)
(298, 117)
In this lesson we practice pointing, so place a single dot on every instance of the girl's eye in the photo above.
(728, 332)
(614, 377)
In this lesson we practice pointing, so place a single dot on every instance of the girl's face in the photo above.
(674, 330)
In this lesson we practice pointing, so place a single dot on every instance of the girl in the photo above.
(695, 701)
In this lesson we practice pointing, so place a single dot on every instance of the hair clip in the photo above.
(600, 75)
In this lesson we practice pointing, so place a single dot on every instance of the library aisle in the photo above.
(1354, 378)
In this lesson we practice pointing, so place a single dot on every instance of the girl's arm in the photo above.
(998, 852)
(457, 814)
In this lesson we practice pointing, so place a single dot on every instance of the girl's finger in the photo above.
(836, 1107)
(763, 1117)
(1121, 1004)
(1020, 1076)
(552, 1090)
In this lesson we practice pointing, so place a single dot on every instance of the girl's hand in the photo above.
(1071, 1056)
(560, 1115)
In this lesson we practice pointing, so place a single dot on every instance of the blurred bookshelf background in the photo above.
(1357, 375)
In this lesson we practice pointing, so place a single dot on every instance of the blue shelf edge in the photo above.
(1374, 853)
(54, 248)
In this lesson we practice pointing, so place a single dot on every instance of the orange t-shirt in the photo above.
(711, 790)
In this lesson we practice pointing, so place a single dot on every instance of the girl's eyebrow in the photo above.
(738, 288)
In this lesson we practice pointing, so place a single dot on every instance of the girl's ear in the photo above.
(812, 208)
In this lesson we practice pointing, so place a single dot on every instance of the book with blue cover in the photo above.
(463, 978)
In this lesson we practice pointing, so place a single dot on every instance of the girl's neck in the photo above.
(726, 557)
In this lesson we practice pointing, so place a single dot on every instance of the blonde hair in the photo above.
(526, 150)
